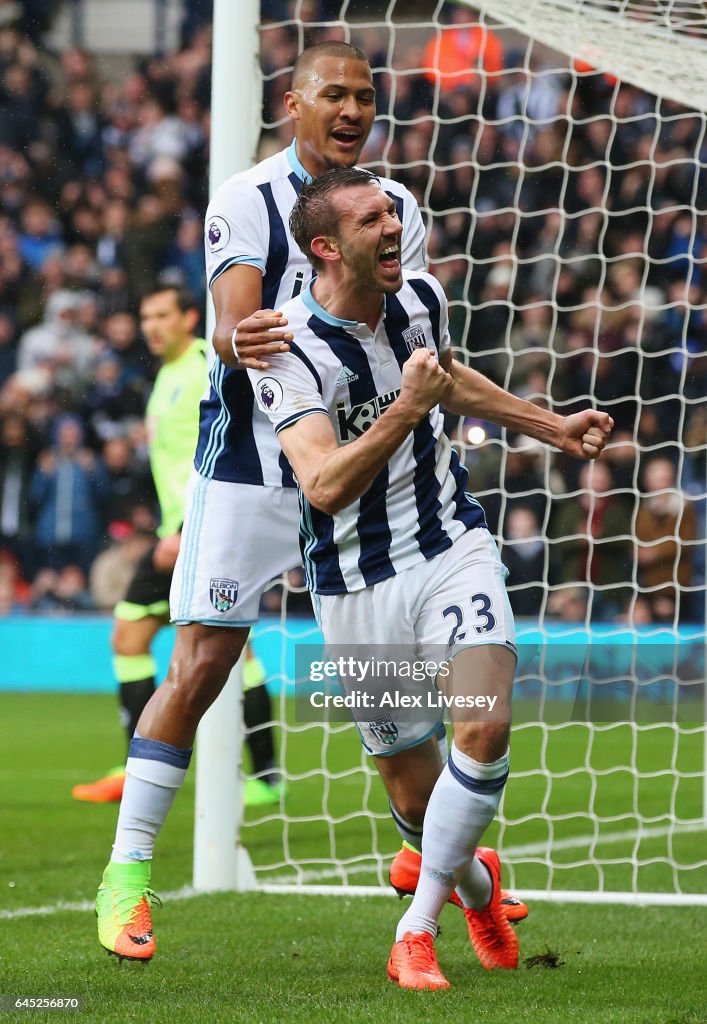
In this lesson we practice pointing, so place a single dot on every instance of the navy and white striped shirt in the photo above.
(417, 505)
(247, 222)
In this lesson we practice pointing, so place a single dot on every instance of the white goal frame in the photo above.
(220, 861)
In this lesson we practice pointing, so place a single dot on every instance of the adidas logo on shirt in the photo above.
(345, 377)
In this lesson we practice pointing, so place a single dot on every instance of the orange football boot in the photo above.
(413, 963)
(107, 790)
(405, 872)
(123, 903)
(494, 941)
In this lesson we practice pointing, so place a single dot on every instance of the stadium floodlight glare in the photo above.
(598, 812)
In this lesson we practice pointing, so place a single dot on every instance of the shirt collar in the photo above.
(295, 164)
(319, 311)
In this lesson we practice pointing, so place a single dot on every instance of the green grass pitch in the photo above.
(275, 958)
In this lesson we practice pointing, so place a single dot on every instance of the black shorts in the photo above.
(148, 588)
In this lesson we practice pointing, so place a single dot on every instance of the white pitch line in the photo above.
(285, 882)
(574, 842)
(510, 853)
(185, 893)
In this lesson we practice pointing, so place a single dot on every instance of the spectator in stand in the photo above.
(694, 481)
(116, 221)
(60, 344)
(683, 245)
(39, 235)
(129, 481)
(66, 496)
(591, 541)
(568, 604)
(665, 532)
(113, 293)
(18, 451)
(488, 338)
(14, 592)
(523, 555)
(462, 53)
(186, 256)
(120, 330)
(31, 393)
(522, 482)
(108, 402)
(158, 134)
(17, 108)
(638, 612)
(529, 339)
(8, 346)
(622, 458)
(77, 65)
(115, 567)
(62, 591)
(81, 271)
(198, 14)
(147, 242)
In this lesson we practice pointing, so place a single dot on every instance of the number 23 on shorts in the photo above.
(485, 620)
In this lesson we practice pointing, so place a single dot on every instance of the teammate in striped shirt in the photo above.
(241, 491)
(396, 551)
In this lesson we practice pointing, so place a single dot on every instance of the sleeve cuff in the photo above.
(297, 416)
(251, 261)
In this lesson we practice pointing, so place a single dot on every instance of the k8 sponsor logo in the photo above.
(356, 422)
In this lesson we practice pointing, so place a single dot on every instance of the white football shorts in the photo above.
(429, 612)
(236, 538)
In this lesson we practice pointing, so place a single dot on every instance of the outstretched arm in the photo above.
(582, 434)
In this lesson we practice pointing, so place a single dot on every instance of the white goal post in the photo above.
(636, 837)
(220, 860)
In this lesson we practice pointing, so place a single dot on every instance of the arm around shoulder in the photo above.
(245, 334)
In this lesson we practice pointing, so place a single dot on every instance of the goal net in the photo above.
(557, 149)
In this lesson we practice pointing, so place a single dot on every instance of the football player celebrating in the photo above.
(396, 551)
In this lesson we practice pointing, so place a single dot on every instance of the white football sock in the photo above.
(475, 887)
(463, 804)
(154, 773)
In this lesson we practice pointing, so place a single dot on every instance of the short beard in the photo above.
(368, 279)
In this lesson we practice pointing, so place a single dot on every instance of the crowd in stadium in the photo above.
(103, 186)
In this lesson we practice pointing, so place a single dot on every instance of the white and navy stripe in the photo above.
(417, 505)
(251, 210)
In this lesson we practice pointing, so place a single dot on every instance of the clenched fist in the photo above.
(424, 383)
(584, 434)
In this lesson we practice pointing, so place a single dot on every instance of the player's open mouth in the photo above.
(346, 136)
(390, 257)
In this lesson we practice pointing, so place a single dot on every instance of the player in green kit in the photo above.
(168, 319)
